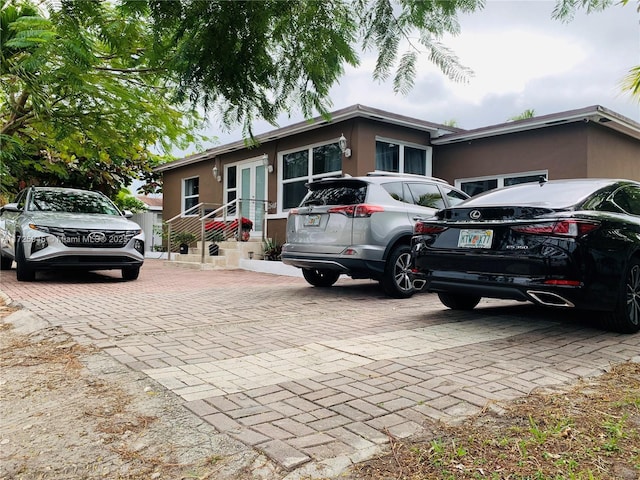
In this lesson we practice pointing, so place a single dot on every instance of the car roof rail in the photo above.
(378, 173)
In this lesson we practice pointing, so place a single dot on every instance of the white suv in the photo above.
(49, 228)
(362, 227)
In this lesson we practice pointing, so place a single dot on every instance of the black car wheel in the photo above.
(24, 273)
(5, 263)
(396, 281)
(459, 301)
(320, 278)
(626, 317)
(130, 273)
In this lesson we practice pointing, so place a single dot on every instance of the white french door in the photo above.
(247, 181)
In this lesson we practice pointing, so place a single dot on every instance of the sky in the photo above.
(522, 59)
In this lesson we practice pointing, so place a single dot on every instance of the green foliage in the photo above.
(184, 238)
(271, 249)
(259, 59)
(529, 113)
(80, 102)
(125, 201)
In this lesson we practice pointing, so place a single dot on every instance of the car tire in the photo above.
(396, 280)
(130, 273)
(24, 273)
(5, 263)
(626, 317)
(459, 301)
(320, 278)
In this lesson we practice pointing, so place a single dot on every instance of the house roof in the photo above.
(153, 203)
(348, 113)
(595, 113)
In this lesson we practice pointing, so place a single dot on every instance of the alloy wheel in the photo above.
(633, 295)
(401, 272)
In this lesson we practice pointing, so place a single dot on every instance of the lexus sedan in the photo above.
(564, 243)
(51, 228)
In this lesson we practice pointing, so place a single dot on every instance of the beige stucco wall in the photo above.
(561, 150)
(612, 154)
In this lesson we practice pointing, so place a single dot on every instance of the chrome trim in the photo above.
(419, 284)
(552, 299)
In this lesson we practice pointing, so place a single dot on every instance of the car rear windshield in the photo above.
(335, 193)
(552, 195)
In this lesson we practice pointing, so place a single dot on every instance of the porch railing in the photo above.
(207, 222)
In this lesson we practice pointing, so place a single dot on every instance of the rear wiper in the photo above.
(315, 201)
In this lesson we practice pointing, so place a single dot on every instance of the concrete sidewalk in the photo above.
(315, 378)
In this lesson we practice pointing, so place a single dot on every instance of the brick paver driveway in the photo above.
(306, 374)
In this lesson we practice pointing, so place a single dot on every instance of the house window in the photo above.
(190, 193)
(396, 157)
(231, 188)
(473, 186)
(303, 166)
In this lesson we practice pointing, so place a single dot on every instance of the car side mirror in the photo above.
(9, 207)
(127, 214)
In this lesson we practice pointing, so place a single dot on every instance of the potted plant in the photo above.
(214, 236)
(271, 249)
(184, 239)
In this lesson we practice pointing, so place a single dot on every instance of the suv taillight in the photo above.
(563, 228)
(357, 211)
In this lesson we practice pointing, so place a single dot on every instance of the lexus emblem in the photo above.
(475, 214)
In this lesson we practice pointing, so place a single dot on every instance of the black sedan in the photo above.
(563, 243)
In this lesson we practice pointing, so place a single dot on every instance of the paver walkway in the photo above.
(318, 376)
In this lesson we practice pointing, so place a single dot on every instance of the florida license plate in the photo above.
(475, 238)
(312, 220)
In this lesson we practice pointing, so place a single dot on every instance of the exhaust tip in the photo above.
(419, 284)
(549, 299)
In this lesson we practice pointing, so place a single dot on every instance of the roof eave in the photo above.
(354, 111)
(590, 114)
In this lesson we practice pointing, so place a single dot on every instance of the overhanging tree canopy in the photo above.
(80, 103)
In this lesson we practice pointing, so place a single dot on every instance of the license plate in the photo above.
(312, 220)
(475, 238)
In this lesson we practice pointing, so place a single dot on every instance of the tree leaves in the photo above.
(81, 102)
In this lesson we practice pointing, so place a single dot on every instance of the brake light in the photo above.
(421, 228)
(568, 283)
(357, 211)
(563, 228)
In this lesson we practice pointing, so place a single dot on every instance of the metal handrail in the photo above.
(196, 213)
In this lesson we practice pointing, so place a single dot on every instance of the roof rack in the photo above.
(414, 175)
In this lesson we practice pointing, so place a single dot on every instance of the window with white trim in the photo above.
(473, 186)
(305, 165)
(190, 193)
(392, 156)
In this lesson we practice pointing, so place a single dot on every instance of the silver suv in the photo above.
(362, 227)
(49, 228)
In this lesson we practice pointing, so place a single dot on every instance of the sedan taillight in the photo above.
(357, 211)
(427, 229)
(563, 228)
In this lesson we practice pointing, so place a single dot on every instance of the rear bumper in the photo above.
(513, 288)
(353, 267)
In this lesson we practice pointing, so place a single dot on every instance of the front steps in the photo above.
(229, 255)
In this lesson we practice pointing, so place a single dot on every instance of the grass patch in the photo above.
(587, 432)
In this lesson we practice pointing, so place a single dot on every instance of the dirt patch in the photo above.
(71, 412)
